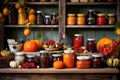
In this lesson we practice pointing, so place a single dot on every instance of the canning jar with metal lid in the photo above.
(91, 21)
(71, 19)
(91, 45)
(101, 19)
(97, 60)
(44, 59)
(111, 19)
(40, 17)
(83, 62)
(69, 58)
(81, 20)
(47, 20)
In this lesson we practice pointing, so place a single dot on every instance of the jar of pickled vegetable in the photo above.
(44, 59)
(101, 19)
(111, 19)
(69, 58)
(71, 19)
(81, 20)
(83, 62)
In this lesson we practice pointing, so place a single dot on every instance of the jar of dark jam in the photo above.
(78, 41)
(47, 20)
(101, 19)
(91, 45)
(40, 17)
(97, 60)
(44, 59)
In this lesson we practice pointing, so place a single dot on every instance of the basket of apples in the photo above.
(51, 45)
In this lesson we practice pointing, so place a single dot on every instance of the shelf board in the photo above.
(95, 3)
(34, 26)
(37, 3)
(65, 70)
(90, 26)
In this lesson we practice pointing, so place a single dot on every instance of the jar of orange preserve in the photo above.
(69, 58)
(83, 62)
(71, 19)
(81, 19)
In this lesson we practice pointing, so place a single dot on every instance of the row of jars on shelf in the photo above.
(90, 19)
(70, 59)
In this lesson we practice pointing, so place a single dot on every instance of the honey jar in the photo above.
(83, 62)
(69, 58)
(81, 19)
(111, 19)
(71, 19)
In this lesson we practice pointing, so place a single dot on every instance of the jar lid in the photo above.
(90, 10)
(97, 55)
(83, 57)
(101, 14)
(78, 34)
(56, 55)
(39, 11)
(43, 51)
(19, 53)
(30, 56)
(71, 14)
(81, 15)
(91, 39)
(68, 51)
(47, 16)
(111, 14)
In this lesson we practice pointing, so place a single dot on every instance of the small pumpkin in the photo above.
(30, 46)
(39, 43)
(14, 64)
(58, 64)
(103, 41)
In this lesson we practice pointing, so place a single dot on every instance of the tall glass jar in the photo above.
(81, 20)
(69, 58)
(101, 19)
(71, 19)
(91, 45)
(78, 41)
(40, 17)
(44, 59)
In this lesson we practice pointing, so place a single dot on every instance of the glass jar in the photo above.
(91, 21)
(21, 16)
(101, 19)
(91, 17)
(81, 20)
(71, 19)
(97, 60)
(69, 58)
(83, 62)
(44, 59)
(91, 45)
(78, 41)
(54, 19)
(40, 18)
(19, 56)
(111, 19)
(47, 20)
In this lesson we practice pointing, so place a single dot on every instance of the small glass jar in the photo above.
(69, 58)
(47, 20)
(81, 20)
(44, 59)
(91, 21)
(40, 18)
(97, 60)
(91, 45)
(78, 41)
(101, 19)
(20, 57)
(83, 62)
(111, 19)
(71, 19)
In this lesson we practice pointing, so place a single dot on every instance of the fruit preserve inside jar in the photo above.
(101, 19)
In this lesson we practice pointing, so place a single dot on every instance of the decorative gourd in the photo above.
(103, 41)
(30, 46)
(14, 64)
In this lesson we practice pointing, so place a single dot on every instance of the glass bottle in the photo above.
(91, 45)
(69, 58)
(40, 18)
(44, 59)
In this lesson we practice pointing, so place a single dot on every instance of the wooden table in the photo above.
(59, 74)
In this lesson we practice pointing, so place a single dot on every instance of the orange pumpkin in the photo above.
(58, 64)
(39, 43)
(30, 46)
(103, 41)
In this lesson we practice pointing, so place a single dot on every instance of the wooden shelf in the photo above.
(66, 70)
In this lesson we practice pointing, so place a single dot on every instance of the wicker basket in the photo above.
(4, 61)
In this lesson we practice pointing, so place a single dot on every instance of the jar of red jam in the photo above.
(91, 45)
(101, 19)
(83, 62)
(78, 41)
(97, 60)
